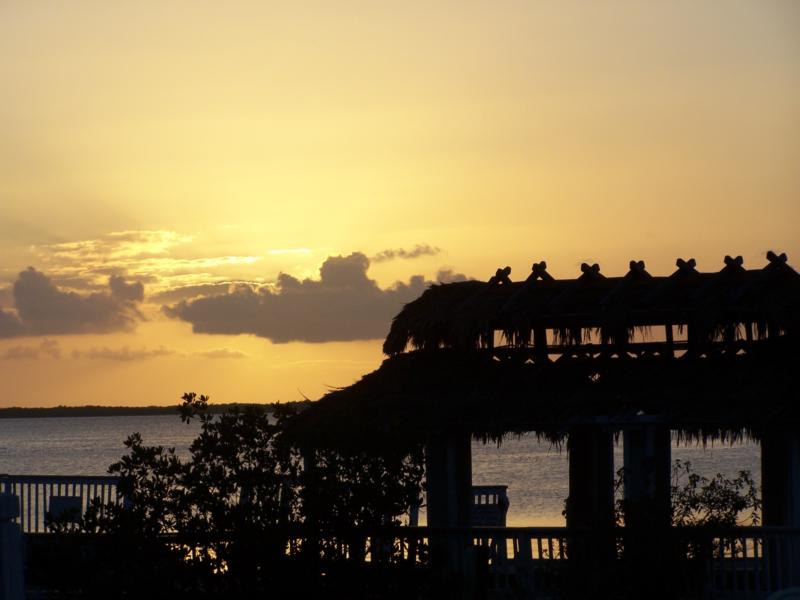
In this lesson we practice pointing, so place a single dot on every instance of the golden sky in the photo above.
(294, 172)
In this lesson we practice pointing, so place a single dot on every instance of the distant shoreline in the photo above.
(18, 412)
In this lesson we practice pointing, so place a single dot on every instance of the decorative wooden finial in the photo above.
(591, 271)
(539, 271)
(733, 263)
(501, 277)
(775, 259)
(686, 266)
(638, 270)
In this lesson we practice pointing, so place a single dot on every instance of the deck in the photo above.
(510, 562)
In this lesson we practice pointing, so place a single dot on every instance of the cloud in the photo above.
(188, 292)
(117, 245)
(6, 296)
(50, 348)
(21, 353)
(42, 308)
(449, 276)
(10, 325)
(344, 304)
(163, 259)
(122, 354)
(401, 253)
(223, 353)
(46, 348)
(132, 292)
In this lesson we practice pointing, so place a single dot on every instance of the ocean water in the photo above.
(83, 445)
(535, 472)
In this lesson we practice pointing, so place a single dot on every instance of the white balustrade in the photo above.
(40, 494)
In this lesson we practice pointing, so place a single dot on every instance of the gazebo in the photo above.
(706, 356)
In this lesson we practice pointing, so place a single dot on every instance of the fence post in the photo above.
(11, 581)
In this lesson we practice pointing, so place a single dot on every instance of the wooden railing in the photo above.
(489, 505)
(535, 562)
(40, 495)
(514, 562)
(747, 562)
(525, 562)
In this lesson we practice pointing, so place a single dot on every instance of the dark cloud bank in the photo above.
(343, 305)
(44, 309)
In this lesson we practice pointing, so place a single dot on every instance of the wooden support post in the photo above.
(448, 464)
(540, 345)
(448, 473)
(647, 457)
(692, 341)
(648, 513)
(591, 479)
(780, 492)
(590, 512)
(670, 340)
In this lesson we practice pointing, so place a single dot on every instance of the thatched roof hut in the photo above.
(458, 315)
(548, 355)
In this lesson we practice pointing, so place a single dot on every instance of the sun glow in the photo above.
(205, 147)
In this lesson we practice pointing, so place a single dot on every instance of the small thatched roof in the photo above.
(463, 315)
(721, 385)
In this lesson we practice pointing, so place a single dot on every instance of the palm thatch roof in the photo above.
(422, 393)
(734, 376)
(462, 315)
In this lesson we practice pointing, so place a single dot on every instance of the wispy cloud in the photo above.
(161, 258)
(222, 353)
(124, 353)
(118, 245)
(47, 348)
(402, 253)
(50, 348)
(187, 292)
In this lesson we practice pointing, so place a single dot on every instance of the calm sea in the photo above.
(535, 472)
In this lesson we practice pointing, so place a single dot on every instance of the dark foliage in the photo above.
(245, 515)
(669, 558)
(698, 501)
(717, 502)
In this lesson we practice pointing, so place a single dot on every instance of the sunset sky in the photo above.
(235, 198)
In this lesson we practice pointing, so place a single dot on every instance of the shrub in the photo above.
(225, 520)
